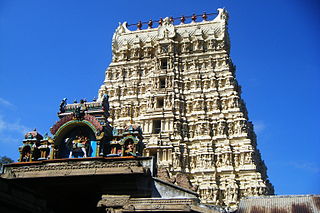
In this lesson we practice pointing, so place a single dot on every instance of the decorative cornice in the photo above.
(124, 38)
(81, 167)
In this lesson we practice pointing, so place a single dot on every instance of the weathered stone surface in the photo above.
(76, 167)
(126, 204)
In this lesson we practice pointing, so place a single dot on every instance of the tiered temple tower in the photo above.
(178, 82)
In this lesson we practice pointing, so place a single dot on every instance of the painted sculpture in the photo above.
(35, 147)
(128, 142)
(82, 131)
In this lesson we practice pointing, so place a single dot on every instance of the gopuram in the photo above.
(169, 131)
(178, 82)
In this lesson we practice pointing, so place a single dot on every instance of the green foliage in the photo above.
(5, 160)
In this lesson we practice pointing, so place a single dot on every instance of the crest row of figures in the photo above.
(213, 104)
(143, 88)
(140, 50)
(216, 196)
(141, 69)
(221, 128)
(214, 127)
(210, 104)
(211, 161)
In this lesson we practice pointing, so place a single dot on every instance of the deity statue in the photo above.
(105, 104)
(193, 162)
(79, 143)
(248, 157)
(236, 160)
(129, 149)
(169, 82)
(213, 83)
(184, 47)
(224, 104)
(221, 83)
(63, 105)
(242, 156)
(221, 128)
(237, 127)
(230, 128)
(176, 160)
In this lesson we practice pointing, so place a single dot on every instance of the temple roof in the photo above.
(283, 204)
(33, 135)
(123, 37)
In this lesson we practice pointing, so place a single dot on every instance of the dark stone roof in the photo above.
(280, 204)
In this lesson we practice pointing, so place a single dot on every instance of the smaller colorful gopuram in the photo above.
(82, 131)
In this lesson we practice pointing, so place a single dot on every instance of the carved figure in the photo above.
(63, 105)
(230, 128)
(236, 160)
(79, 143)
(224, 104)
(105, 104)
(242, 156)
(248, 158)
(221, 128)
(129, 149)
(176, 160)
(237, 127)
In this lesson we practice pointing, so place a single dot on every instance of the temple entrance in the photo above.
(77, 141)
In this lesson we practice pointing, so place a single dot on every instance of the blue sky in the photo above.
(55, 49)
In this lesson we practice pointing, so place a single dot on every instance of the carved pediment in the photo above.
(166, 30)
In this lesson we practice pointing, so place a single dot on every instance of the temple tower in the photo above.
(178, 82)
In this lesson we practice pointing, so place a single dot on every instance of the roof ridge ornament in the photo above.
(171, 19)
(222, 15)
(166, 30)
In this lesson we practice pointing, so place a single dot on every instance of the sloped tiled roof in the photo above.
(280, 204)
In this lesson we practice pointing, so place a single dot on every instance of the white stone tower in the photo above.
(178, 82)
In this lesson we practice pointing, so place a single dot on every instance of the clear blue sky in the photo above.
(55, 49)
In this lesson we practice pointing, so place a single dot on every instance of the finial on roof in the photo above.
(150, 23)
(160, 21)
(171, 19)
(63, 105)
(194, 17)
(204, 16)
(139, 25)
(182, 19)
(123, 27)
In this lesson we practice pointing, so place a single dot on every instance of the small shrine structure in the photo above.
(82, 131)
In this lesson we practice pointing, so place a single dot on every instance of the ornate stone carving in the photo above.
(73, 168)
(188, 91)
